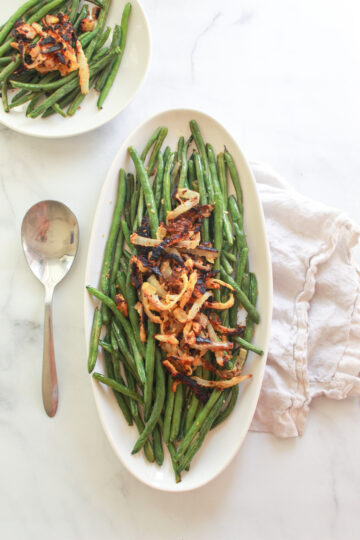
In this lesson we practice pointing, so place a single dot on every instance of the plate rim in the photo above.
(178, 488)
(90, 129)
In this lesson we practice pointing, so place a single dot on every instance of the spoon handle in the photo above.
(49, 376)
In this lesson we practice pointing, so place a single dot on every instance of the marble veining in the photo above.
(284, 78)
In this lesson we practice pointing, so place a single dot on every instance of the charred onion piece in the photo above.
(58, 48)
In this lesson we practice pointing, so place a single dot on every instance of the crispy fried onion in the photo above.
(57, 49)
(223, 383)
(192, 199)
(121, 304)
(222, 305)
(139, 308)
(175, 278)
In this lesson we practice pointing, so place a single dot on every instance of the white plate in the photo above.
(129, 79)
(223, 442)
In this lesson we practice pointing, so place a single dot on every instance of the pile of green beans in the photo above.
(52, 94)
(133, 369)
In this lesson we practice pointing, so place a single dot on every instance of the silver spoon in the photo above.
(50, 236)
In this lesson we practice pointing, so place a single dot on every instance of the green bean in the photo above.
(17, 15)
(184, 163)
(113, 233)
(43, 11)
(22, 99)
(84, 13)
(73, 10)
(222, 177)
(117, 255)
(79, 98)
(203, 197)
(158, 448)
(158, 182)
(121, 282)
(245, 284)
(10, 68)
(133, 207)
(252, 297)
(174, 175)
(205, 428)
(155, 151)
(237, 219)
(230, 256)
(242, 297)
(35, 98)
(34, 9)
(62, 103)
(129, 192)
(115, 42)
(121, 399)
(103, 14)
(148, 193)
(149, 143)
(130, 362)
(166, 184)
(235, 179)
(5, 60)
(197, 424)
(167, 153)
(191, 173)
(6, 46)
(115, 68)
(100, 53)
(131, 299)
(4, 91)
(176, 418)
(169, 407)
(106, 346)
(127, 329)
(209, 186)
(248, 346)
(157, 408)
(103, 39)
(148, 449)
(126, 233)
(59, 110)
(87, 39)
(180, 148)
(91, 48)
(68, 87)
(140, 210)
(240, 268)
(199, 141)
(19, 95)
(194, 402)
(127, 255)
(228, 268)
(172, 452)
(98, 3)
(229, 407)
(187, 398)
(94, 340)
(118, 387)
(149, 368)
(219, 194)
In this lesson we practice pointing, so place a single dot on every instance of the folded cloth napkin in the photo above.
(314, 344)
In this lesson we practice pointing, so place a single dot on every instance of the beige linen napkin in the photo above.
(315, 339)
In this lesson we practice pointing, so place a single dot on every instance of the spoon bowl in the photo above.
(50, 237)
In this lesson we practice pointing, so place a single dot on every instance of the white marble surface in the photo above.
(284, 77)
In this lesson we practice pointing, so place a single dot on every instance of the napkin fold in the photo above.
(314, 344)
